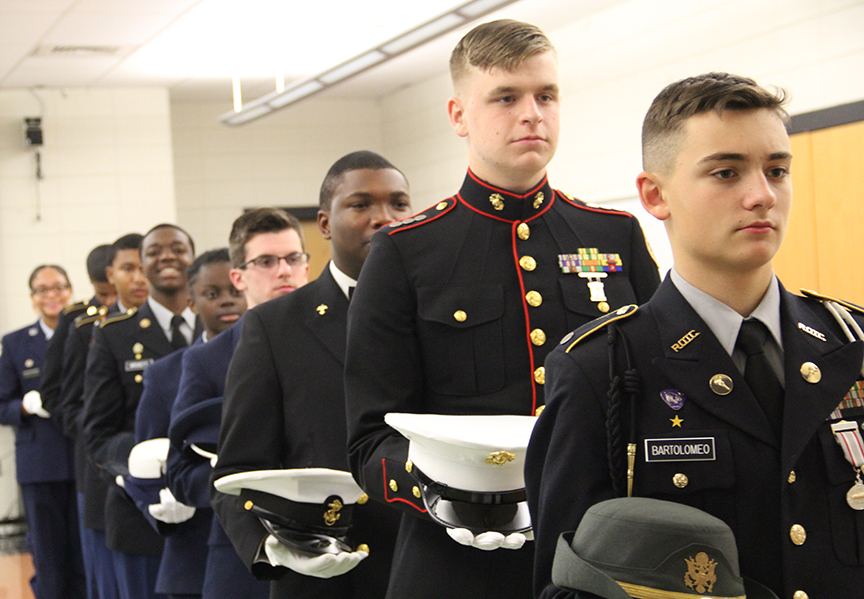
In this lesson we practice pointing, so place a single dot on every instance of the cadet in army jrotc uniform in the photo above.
(724, 392)
(457, 307)
(98, 260)
(218, 304)
(285, 391)
(125, 274)
(123, 346)
(270, 260)
(43, 455)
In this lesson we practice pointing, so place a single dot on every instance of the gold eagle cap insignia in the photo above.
(700, 574)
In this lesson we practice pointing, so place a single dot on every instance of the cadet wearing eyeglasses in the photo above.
(269, 258)
(43, 455)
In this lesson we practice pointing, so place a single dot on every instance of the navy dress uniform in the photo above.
(203, 380)
(123, 346)
(45, 470)
(701, 438)
(285, 409)
(181, 570)
(454, 313)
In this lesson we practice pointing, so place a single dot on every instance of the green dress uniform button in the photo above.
(409, 466)
(92, 310)
(534, 298)
(363, 499)
(441, 206)
(460, 316)
(800, 595)
(792, 477)
(603, 307)
(680, 480)
(523, 231)
(797, 534)
(527, 263)
(539, 410)
(138, 378)
(538, 337)
(416, 492)
(363, 547)
(393, 486)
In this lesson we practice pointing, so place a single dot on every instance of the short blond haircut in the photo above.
(503, 44)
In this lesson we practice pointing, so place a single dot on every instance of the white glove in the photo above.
(488, 541)
(169, 510)
(320, 566)
(32, 404)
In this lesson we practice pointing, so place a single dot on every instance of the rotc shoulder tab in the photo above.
(590, 328)
(428, 215)
(118, 317)
(76, 307)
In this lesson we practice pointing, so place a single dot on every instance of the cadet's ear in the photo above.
(237, 279)
(457, 116)
(651, 195)
(324, 223)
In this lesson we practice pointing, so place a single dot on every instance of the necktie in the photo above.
(178, 340)
(758, 373)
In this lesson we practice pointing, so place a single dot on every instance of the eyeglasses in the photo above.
(268, 262)
(46, 290)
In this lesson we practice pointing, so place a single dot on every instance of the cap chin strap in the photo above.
(479, 512)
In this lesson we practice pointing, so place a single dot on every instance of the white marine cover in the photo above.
(302, 485)
(472, 453)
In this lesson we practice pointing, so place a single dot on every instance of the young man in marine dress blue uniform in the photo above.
(763, 453)
(457, 307)
(43, 455)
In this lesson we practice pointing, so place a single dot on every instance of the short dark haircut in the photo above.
(257, 221)
(98, 260)
(130, 241)
(176, 228)
(355, 161)
(664, 122)
(219, 255)
(503, 44)
(42, 267)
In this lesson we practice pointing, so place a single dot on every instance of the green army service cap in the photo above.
(645, 548)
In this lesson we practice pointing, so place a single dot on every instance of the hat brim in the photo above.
(294, 484)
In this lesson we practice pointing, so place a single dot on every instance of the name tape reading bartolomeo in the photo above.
(688, 449)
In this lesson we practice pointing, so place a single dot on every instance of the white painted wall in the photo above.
(280, 160)
(107, 168)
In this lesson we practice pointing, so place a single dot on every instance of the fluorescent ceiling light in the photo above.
(424, 33)
(292, 94)
(410, 39)
(246, 115)
(352, 67)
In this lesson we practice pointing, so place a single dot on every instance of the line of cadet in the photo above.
(482, 305)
